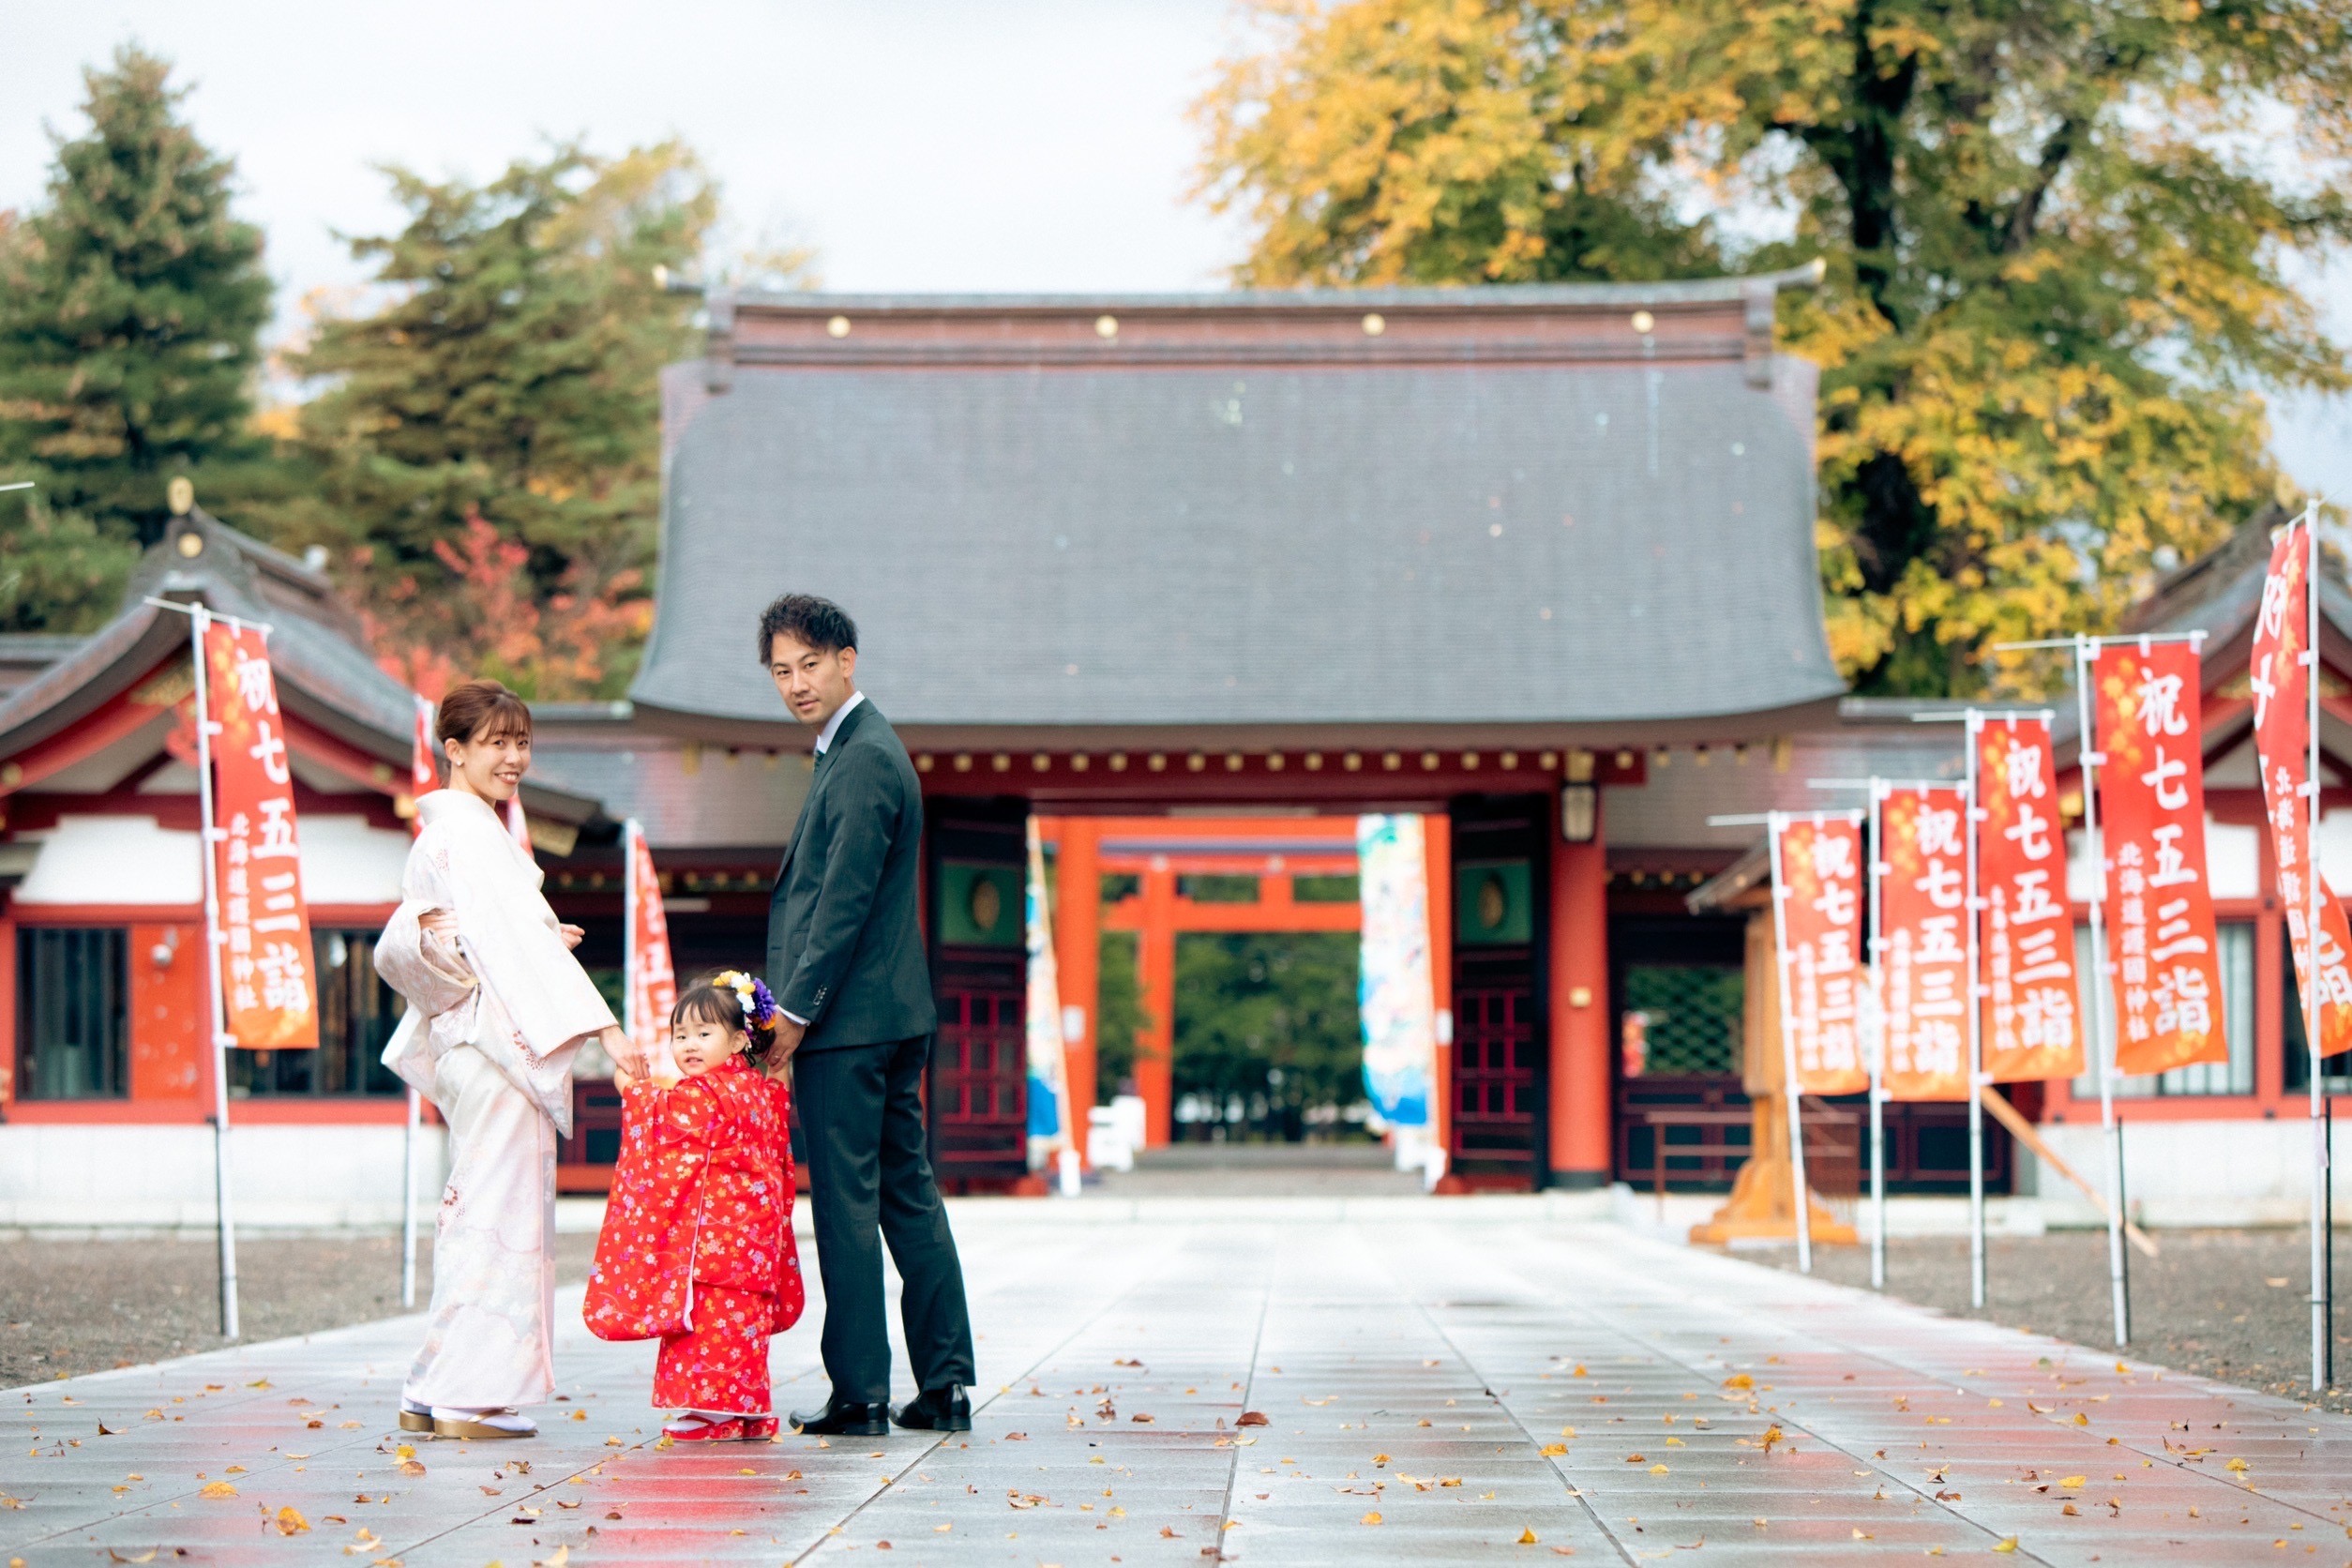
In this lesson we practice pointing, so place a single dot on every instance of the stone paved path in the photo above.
(1439, 1382)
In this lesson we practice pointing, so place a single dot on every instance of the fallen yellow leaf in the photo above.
(1526, 1537)
(2239, 1465)
(2070, 1483)
(218, 1489)
(1371, 1518)
(291, 1522)
(1738, 1379)
(2005, 1544)
(1657, 1470)
(1552, 1450)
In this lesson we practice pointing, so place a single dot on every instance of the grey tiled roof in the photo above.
(1451, 543)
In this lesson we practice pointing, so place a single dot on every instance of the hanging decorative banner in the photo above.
(1394, 991)
(2162, 947)
(1817, 903)
(1923, 957)
(646, 970)
(2281, 693)
(1048, 1073)
(265, 959)
(2031, 1029)
(424, 778)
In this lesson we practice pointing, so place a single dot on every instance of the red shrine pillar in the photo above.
(1078, 957)
(1580, 1112)
(1155, 978)
(1437, 848)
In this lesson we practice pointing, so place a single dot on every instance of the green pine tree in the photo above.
(488, 441)
(131, 305)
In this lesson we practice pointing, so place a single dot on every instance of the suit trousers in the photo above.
(869, 1182)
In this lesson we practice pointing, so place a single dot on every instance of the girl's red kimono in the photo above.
(697, 1247)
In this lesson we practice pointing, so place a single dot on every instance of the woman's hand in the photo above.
(439, 923)
(571, 935)
(626, 1058)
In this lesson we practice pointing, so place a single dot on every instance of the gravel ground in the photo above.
(73, 1307)
(2230, 1304)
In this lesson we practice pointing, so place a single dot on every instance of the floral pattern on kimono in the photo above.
(720, 1364)
(701, 1196)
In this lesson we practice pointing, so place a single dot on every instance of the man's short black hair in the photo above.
(821, 624)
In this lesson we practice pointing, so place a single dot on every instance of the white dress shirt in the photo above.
(833, 724)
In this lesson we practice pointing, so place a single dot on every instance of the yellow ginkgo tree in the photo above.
(2059, 235)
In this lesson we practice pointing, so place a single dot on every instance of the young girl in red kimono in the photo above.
(697, 1247)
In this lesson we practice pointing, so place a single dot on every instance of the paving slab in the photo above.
(1229, 1381)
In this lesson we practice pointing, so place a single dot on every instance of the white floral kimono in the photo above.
(494, 1020)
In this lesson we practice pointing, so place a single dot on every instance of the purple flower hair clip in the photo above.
(762, 1002)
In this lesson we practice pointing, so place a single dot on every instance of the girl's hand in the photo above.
(572, 935)
(624, 1078)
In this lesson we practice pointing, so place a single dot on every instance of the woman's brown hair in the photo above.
(481, 710)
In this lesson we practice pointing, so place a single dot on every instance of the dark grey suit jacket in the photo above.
(845, 945)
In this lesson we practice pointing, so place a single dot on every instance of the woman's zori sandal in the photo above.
(695, 1426)
(445, 1421)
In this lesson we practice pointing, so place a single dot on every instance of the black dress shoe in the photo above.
(840, 1417)
(937, 1409)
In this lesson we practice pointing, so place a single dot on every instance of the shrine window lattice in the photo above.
(1682, 1020)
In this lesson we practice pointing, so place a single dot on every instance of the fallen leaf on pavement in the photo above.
(291, 1522)
(1526, 1537)
(218, 1489)
(1372, 1519)
(1252, 1418)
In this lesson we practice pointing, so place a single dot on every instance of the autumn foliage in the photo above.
(2057, 234)
(485, 617)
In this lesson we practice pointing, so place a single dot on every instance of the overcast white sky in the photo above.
(919, 145)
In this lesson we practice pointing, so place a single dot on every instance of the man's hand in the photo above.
(572, 935)
(623, 1051)
(788, 1038)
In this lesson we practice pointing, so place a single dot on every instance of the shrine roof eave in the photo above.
(1742, 885)
(1728, 728)
(322, 679)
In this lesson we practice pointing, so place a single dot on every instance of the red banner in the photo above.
(1816, 895)
(2028, 935)
(2162, 947)
(652, 985)
(2281, 693)
(265, 957)
(1923, 883)
(423, 776)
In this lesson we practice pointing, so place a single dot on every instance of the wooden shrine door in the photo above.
(978, 927)
(1501, 1041)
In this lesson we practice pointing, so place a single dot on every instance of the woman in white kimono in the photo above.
(498, 1008)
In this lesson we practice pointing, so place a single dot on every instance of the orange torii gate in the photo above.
(1159, 849)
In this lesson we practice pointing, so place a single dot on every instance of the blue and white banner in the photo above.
(1048, 1080)
(1394, 989)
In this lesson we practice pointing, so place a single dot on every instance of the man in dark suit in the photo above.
(846, 958)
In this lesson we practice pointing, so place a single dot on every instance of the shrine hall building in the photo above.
(1194, 579)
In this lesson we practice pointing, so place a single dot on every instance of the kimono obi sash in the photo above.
(703, 1193)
